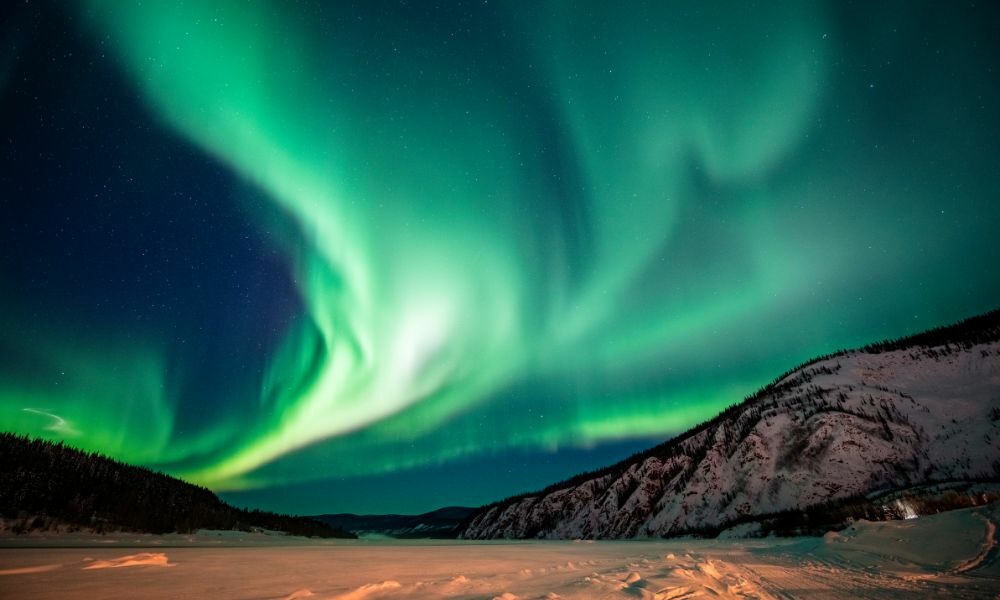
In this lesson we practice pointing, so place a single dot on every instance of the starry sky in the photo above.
(390, 256)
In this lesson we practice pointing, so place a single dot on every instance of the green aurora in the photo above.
(525, 227)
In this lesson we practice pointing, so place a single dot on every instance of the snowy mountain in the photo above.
(890, 416)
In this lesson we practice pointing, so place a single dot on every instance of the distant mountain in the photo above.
(827, 438)
(44, 484)
(440, 523)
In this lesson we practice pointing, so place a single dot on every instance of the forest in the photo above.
(45, 484)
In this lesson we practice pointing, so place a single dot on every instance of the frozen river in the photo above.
(949, 555)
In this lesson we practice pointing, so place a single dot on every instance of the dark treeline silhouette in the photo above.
(43, 482)
(437, 524)
(937, 342)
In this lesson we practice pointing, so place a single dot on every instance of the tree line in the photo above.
(44, 483)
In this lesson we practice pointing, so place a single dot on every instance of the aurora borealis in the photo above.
(340, 256)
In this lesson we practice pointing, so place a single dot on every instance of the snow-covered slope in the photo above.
(890, 416)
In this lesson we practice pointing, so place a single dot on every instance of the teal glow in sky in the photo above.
(269, 246)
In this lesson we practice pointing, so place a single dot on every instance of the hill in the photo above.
(44, 484)
(824, 441)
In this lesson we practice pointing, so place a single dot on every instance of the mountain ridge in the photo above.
(667, 468)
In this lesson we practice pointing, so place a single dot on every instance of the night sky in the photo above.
(373, 256)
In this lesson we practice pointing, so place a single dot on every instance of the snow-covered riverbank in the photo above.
(948, 554)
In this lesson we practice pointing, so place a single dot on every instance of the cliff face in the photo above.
(857, 423)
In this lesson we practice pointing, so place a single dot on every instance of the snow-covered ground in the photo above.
(947, 555)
